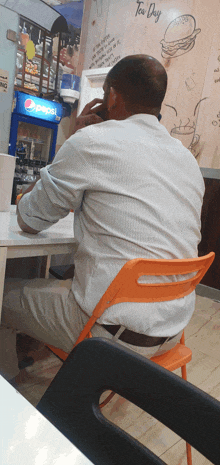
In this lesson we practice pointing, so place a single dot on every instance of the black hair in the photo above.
(141, 80)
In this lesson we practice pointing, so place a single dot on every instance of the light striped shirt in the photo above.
(136, 192)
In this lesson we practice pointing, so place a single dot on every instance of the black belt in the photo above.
(136, 339)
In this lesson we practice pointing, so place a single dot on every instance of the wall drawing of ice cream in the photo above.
(179, 37)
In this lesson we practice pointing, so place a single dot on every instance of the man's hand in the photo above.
(88, 115)
(29, 189)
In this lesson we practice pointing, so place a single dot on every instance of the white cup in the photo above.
(7, 169)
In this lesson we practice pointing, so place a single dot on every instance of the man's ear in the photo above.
(112, 100)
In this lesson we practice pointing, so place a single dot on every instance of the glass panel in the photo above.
(31, 83)
(36, 141)
(23, 34)
(30, 71)
(46, 70)
(47, 64)
(48, 49)
(69, 55)
(18, 82)
(33, 66)
(28, 31)
(39, 45)
(52, 79)
(19, 64)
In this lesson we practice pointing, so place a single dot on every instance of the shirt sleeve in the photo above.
(61, 186)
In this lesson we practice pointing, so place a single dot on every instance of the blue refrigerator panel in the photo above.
(34, 124)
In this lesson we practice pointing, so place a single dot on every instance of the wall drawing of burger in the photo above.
(179, 37)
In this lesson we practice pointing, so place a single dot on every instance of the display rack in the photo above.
(35, 76)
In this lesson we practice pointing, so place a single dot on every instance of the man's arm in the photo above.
(24, 226)
(21, 223)
(86, 118)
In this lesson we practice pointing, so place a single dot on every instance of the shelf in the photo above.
(33, 78)
(31, 74)
(26, 90)
(34, 75)
(29, 139)
(31, 90)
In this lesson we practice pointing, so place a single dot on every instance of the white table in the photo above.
(14, 243)
(28, 438)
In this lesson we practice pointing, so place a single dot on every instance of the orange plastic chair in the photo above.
(126, 288)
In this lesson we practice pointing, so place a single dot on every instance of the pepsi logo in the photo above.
(29, 105)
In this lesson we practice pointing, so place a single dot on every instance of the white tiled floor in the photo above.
(202, 336)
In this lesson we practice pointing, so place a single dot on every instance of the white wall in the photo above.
(189, 49)
(8, 51)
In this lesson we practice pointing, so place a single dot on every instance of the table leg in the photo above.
(48, 261)
(3, 258)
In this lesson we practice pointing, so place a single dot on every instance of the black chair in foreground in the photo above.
(71, 403)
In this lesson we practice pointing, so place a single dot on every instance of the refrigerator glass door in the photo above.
(37, 140)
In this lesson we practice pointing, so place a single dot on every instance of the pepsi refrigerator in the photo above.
(34, 126)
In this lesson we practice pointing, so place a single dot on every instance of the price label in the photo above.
(3, 80)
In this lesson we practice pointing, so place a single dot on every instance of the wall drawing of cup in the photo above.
(185, 134)
(194, 142)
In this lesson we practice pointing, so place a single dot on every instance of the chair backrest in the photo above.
(126, 288)
(71, 403)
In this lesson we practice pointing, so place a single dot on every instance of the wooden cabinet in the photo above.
(211, 230)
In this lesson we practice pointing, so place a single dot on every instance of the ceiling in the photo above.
(40, 12)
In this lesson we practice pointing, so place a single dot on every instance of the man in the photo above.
(136, 192)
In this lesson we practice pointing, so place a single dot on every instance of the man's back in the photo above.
(143, 199)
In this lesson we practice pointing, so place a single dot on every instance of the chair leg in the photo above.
(188, 446)
(107, 400)
(189, 454)
(184, 375)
